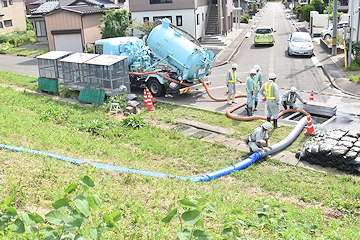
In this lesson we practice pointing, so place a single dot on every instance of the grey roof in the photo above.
(79, 57)
(45, 7)
(99, 3)
(83, 9)
(105, 60)
(38, 2)
(53, 55)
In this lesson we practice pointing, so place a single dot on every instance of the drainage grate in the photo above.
(295, 117)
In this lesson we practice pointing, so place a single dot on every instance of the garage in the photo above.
(67, 41)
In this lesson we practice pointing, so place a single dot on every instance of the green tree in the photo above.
(331, 12)
(144, 27)
(319, 5)
(116, 23)
(305, 12)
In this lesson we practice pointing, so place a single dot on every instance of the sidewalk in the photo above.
(333, 66)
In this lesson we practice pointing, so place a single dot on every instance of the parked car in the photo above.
(300, 43)
(327, 32)
(264, 35)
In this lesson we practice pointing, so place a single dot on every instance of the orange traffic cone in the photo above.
(149, 94)
(145, 98)
(310, 130)
(312, 95)
(150, 106)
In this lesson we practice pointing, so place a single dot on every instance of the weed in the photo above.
(355, 79)
(134, 121)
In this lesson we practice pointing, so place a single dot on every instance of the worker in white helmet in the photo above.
(289, 99)
(231, 80)
(271, 92)
(258, 82)
(250, 91)
(259, 139)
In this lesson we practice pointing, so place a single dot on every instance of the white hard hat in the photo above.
(252, 71)
(272, 76)
(234, 65)
(267, 125)
(293, 89)
(257, 67)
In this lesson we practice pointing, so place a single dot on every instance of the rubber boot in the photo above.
(233, 98)
(250, 112)
(255, 108)
(228, 100)
(284, 105)
(247, 110)
(275, 124)
(268, 119)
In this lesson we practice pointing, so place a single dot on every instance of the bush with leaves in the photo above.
(319, 5)
(115, 23)
(134, 121)
(305, 12)
(67, 219)
(144, 27)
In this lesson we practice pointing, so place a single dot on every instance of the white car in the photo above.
(300, 43)
(327, 32)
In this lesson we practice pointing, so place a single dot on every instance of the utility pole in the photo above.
(351, 11)
(334, 33)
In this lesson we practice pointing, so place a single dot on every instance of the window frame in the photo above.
(4, 5)
(40, 28)
(1, 24)
(160, 1)
(179, 21)
(9, 21)
(11, 2)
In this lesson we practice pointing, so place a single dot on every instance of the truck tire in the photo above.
(156, 88)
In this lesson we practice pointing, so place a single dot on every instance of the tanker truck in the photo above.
(168, 61)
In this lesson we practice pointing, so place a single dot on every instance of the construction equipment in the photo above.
(168, 61)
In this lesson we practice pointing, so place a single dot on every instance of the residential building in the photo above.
(12, 16)
(191, 15)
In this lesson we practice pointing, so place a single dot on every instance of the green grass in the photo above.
(355, 79)
(305, 205)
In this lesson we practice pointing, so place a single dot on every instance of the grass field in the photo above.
(256, 203)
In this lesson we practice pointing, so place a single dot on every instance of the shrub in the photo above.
(13, 41)
(355, 79)
(298, 10)
(24, 39)
(319, 5)
(3, 38)
(245, 18)
(354, 66)
(305, 12)
(90, 49)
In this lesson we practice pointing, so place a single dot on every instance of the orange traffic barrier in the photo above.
(149, 94)
(310, 130)
(145, 98)
(150, 106)
(312, 95)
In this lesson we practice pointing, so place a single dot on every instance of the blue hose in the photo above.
(203, 178)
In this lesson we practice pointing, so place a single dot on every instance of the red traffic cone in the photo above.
(312, 95)
(149, 94)
(310, 130)
(150, 106)
(145, 98)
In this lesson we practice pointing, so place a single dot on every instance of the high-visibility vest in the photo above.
(247, 89)
(233, 76)
(256, 78)
(268, 90)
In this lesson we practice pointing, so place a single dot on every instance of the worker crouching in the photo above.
(259, 139)
(289, 99)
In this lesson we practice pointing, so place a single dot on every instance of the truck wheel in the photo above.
(327, 36)
(156, 88)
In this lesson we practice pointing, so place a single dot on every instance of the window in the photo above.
(4, 3)
(161, 17)
(160, 1)
(197, 19)
(8, 23)
(202, 17)
(10, 2)
(178, 20)
(99, 49)
(40, 28)
(146, 19)
(1, 25)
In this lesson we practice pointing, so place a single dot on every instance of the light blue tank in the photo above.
(181, 54)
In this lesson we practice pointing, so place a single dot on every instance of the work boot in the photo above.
(228, 100)
(255, 108)
(233, 99)
(250, 112)
(275, 124)
(268, 119)
(284, 105)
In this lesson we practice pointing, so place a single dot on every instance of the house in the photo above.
(69, 25)
(197, 17)
(12, 16)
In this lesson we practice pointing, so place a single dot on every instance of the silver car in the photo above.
(300, 43)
